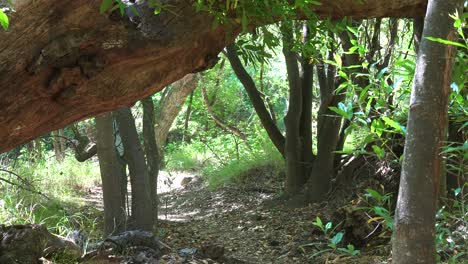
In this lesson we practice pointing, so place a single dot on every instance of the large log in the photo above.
(62, 61)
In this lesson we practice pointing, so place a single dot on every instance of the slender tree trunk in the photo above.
(38, 148)
(142, 204)
(305, 126)
(187, 118)
(256, 99)
(151, 151)
(226, 127)
(62, 141)
(112, 177)
(328, 129)
(293, 147)
(418, 27)
(84, 150)
(420, 178)
(268, 102)
(322, 173)
(57, 146)
(170, 106)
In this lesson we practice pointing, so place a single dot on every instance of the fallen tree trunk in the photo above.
(61, 61)
(27, 243)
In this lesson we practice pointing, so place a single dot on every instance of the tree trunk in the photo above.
(151, 151)
(256, 99)
(62, 141)
(418, 27)
(76, 63)
(416, 207)
(84, 150)
(328, 133)
(170, 106)
(293, 144)
(305, 127)
(112, 177)
(38, 148)
(142, 204)
(59, 155)
(187, 118)
(328, 129)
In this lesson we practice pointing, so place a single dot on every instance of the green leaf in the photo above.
(314, 2)
(343, 75)
(318, 222)
(105, 5)
(392, 123)
(446, 42)
(339, 111)
(374, 194)
(379, 151)
(337, 238)
(157, 10)
(352, 30)
(328, 226)
(338, 60)
(4, 20)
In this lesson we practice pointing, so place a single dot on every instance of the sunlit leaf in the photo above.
(338, 60)
(446, 42)
(4, 20)
(378, 151)
(337, 238)
(105, 5)
(392, 123)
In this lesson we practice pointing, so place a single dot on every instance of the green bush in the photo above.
(183, 157)
(48, 192)
(266, 163)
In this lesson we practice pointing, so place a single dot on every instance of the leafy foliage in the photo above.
(332, 241)
(4, 21)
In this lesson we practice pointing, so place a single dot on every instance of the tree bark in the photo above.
(187, 118)
(293, 144)
(111, 175)
(142, 204)
(84, 150)
(170, 106)
(416, 207)
(76, 63)
(305, 127)
(418, 26)
(256, 99)
(151, 151)
(56, 143)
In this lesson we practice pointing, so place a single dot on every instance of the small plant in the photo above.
(332, 240)
(451, 223)
(379, 206)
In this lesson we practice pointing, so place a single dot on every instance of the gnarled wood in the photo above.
(61, 61)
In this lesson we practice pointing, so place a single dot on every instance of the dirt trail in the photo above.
(235, 218)
(245, 220)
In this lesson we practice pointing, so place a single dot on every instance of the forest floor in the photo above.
(246, 222)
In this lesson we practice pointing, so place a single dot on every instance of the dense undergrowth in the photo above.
(49, 192)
